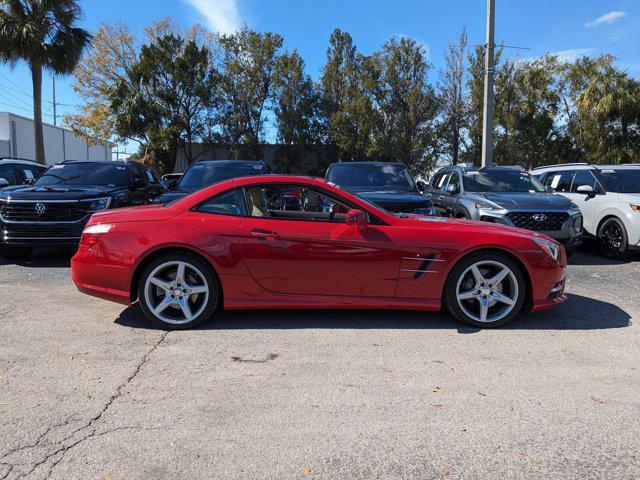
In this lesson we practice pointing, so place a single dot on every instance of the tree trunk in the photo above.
(36, 77)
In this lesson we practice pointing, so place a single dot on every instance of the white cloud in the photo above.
(219, 15)
(572, 54)
(606, 18)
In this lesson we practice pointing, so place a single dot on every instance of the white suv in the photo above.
(609, 198)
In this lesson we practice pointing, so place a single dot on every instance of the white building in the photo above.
(17, 140)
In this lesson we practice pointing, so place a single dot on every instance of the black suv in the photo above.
(388, 185)
(18, 171)
(55, 208)
(204, 173)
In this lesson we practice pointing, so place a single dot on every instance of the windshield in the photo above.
(504, 181)
(85, 173)
(202, 175)
(620, 181)
(371, 177)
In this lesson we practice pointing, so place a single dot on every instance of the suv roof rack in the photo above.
(561, 165)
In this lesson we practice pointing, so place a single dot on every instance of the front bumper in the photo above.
(41, 235)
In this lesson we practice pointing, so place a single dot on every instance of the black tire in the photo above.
(15, 253)
(613, 239)
(194, 265)
(461, 270)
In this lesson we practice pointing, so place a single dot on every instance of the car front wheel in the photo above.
(613, 239)
(485, 290)
(178, 291)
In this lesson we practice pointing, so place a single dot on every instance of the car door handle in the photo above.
(264, 235)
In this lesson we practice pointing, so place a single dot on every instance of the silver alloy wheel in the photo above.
(487, 291)
(176, 292)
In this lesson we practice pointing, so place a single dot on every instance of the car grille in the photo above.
(538, 221)
(53, 211)
(61, 231)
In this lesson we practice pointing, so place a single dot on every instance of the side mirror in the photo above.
(586, 189)
(358, 218)
(421, 186)
(4, 182)
(452, 189)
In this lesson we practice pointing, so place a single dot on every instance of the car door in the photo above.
(586, 202)
(139, 191)
(437, 193)
(155, 187)
(310, 250)
(448, 198)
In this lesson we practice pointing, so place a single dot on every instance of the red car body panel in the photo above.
(306, 264)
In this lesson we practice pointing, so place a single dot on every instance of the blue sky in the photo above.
(567, 27)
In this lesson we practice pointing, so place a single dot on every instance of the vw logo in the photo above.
(539, 217)
(40, 208)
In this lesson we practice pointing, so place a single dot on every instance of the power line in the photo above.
(15, 85)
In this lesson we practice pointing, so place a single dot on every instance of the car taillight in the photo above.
(92, 234)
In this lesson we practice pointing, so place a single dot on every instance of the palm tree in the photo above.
(43, 34)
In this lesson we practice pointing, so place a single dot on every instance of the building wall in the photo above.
(59, 143)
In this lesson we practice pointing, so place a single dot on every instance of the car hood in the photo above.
(53, 192)
(142, 213)
(525, 200)
(470, 227)
(392, 200)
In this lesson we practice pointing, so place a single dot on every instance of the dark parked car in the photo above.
(204, 173)
(388, 185)
(507, 195)
(18, 171)
(55, 208)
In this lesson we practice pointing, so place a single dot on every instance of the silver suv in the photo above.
(507, 195)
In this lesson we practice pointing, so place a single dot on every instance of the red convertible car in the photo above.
(242, 244)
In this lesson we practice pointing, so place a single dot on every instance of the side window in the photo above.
(455, 180)
(227, 203)
(583, 177)
(294, 203)
(559, 181)
(27, 173)
(149, 174)
(435, 181)
(137, 173)
(7, 172)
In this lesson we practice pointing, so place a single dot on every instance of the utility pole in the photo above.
(55, 117)
(489, 72)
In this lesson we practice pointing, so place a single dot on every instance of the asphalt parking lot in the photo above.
(89, 390)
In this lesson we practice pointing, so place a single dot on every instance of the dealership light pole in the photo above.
(489, 71)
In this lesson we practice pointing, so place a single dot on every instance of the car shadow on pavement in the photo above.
(590, 254)
(44, 258)
(577, 313)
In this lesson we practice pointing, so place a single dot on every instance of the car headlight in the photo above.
(491, 208)
(635, 207)
(574, 209)
(100, 203)
(551, 248)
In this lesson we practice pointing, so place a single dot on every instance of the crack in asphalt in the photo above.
(64, 447)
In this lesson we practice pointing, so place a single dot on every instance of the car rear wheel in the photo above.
(485, 290)
(613, 239)
(15, 253)
(178, 291)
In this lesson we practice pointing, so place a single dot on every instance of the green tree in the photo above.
(406, 105)
(452, 98)
(112, 52)
(168, 96)
(348, 116)
(42, 33)
(296, 104)
(247, 67)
